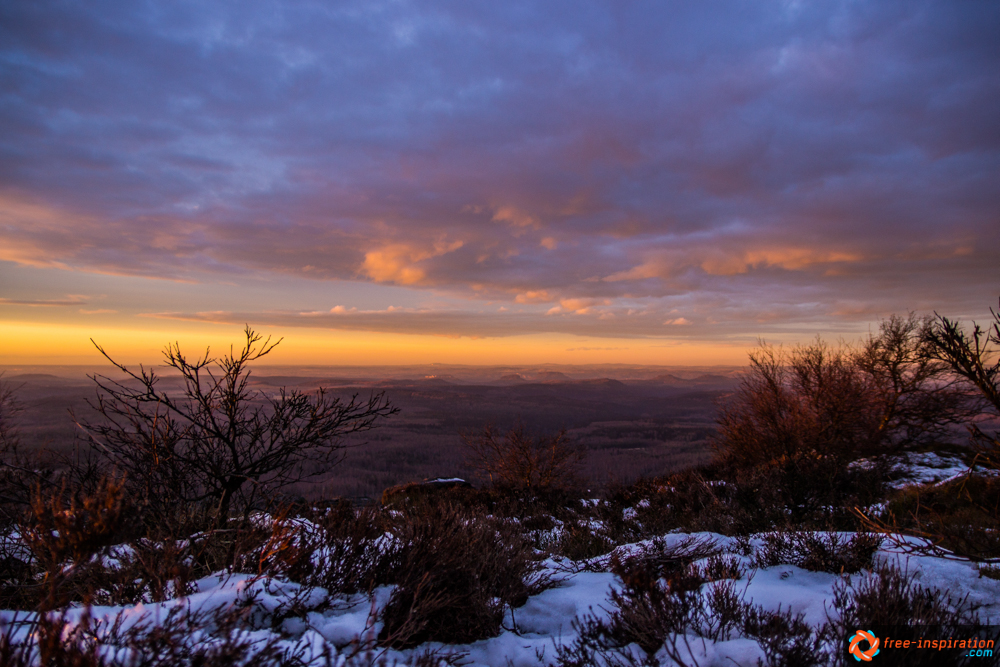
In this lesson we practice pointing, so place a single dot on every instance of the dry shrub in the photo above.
(426, 658)
(802, 416)
(818, 551)
(456, 574)
(218, 441)
(659, 558)
(146, 571)
(989, 571)
(972, 357)
(340, 549)
(520, 462)
(67, 537)
(685, 500)
(89, 547)
(54, 642)
(75, 528)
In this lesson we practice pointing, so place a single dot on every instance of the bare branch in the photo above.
(219, 437)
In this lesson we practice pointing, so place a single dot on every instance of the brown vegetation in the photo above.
(519, 462)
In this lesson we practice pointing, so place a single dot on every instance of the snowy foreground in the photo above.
(317, 628)
(533, 630)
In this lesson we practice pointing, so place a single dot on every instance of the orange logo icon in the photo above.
(867, 654)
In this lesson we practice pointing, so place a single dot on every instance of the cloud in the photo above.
(533, 296)
(70, 301)
(426, 321)
(773, 166)
(398, 263)
(516, 218)
(582, 306)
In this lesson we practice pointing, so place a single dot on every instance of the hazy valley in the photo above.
(632, 421)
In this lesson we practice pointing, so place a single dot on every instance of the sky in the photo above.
(501, 182)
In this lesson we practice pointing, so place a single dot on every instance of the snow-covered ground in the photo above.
(927, 468)
(321, 629)
(532, 630)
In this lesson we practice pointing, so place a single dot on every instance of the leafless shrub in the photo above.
(520, 462)
(66, 536)
(786, 639)
(971, 357)
(48, 639)
(960, 518)
(146, 571)
(220, 441)
(957, 519)
(581, 540)
(660, 558)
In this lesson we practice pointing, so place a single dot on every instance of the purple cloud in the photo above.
(738, 166)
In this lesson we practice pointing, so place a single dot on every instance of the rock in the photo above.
(420, 490)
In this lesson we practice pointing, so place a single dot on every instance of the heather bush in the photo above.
(669, 604)
(582, 539)
(183, 638)
(340, 549)
(456, 574)
(836, 553)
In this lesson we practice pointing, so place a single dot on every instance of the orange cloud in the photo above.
(533, 296)
(582, 306)
(721, 262)
(18, 214)
(397, 263)
(641, 272)
(516, 218)
(789, 258)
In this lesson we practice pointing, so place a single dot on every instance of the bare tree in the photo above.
(918, 396)
(219, 441)
(516, 460)
(971, 357)
(962, 519)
